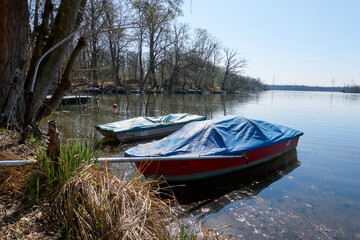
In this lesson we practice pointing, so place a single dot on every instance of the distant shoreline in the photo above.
(305, 88)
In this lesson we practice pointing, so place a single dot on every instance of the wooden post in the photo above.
(53, 149)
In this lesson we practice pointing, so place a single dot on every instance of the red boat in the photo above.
(214, 147)
(193, 168)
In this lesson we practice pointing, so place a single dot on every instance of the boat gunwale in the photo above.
(167, 158)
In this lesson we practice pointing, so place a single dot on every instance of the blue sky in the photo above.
(304, 42)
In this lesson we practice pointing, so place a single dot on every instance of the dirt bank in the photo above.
(18, 217)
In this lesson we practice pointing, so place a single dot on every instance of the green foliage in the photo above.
(71, 157)
(34, 187)
(49, 173)
(99, 225)
(3, 131)
(186, 235)
(33, 140)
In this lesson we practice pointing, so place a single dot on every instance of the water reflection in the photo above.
(215, 193)
(352, 97)
(75, 121)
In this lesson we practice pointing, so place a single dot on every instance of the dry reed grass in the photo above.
(18, 220)
(99, 205)
(12, 178)
(12, 181)
(11, 149)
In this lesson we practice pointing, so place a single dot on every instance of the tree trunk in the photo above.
(173, 75)
(140, 57)
(224, 79)
(13, 44)
(42, 32)
(94, 50)
(64, 85)
(64, 25)
(152, 76)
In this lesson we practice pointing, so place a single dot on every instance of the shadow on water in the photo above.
(115, 146)
(216, 193)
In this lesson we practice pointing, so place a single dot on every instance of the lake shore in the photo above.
(114, 206)
(20, 218)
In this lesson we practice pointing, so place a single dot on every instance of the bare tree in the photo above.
(154, 16)
(132, 65)
(95, 27)
(204, 47)
(116, 20)
(233, 66)
(139, 15)
(179, 52)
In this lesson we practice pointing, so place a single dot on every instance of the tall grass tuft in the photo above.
(48, 175)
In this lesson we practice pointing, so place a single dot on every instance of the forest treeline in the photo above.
(51, 46)
(352, 89)
(141, 44)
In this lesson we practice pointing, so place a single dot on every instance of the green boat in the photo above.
(142, 128)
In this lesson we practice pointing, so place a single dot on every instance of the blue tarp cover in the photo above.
(228, 135)
(147, 123)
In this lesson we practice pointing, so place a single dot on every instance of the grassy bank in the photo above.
(74, 198)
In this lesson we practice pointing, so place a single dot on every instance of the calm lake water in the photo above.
(310, 193)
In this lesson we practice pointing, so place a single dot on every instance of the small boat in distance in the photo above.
(214, 147)
(142, 128)
(73, 99)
